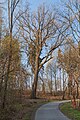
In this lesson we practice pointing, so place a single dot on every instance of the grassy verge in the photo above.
(70, 112)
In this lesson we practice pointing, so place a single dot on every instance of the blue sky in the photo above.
(35, 3)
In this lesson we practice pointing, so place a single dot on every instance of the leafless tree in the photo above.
(12, 4)
(41, 30)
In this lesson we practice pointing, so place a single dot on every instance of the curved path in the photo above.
(50, 111)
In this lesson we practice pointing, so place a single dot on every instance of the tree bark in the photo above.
(43, 88)
(55, 84)
(34, 86)
(51, 84)
(6, 81)
(63, 86)
(77, 91)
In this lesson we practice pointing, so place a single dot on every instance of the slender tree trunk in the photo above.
(43, 88)
(8, 69)
(70, 85)
(60, 78)
(55, 84)
(0, 24)
(51, 83)
(63, 86)
(77, 92)
(1, 83)
(2, 77)
(6, 81)
(11, 8)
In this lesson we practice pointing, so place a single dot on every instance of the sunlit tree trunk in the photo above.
(34, 86)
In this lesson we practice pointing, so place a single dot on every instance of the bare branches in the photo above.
(72, 17)
(40, 29)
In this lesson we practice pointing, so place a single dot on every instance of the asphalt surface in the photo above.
(50, 111)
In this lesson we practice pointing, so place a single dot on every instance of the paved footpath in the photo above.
(50, 111)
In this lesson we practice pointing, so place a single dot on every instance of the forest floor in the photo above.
(21, 110)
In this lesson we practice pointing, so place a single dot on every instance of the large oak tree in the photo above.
(41, 30)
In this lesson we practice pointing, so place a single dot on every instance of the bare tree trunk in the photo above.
(63, 86)
(77, 91)
(51, 84)
(11, 7)
(55, 84)
(6, 81)
(43, 88)
(34, 86)
(2, 77)
(1, 83)
(60, 77)
(10, 55)
(0, 23)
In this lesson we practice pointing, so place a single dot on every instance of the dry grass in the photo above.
(20, 110)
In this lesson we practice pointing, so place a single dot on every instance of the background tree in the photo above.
(14, 63)
(70, 63)
(12, 4)
(51, 70)
(0, 22)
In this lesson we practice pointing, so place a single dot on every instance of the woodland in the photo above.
(39, 54)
